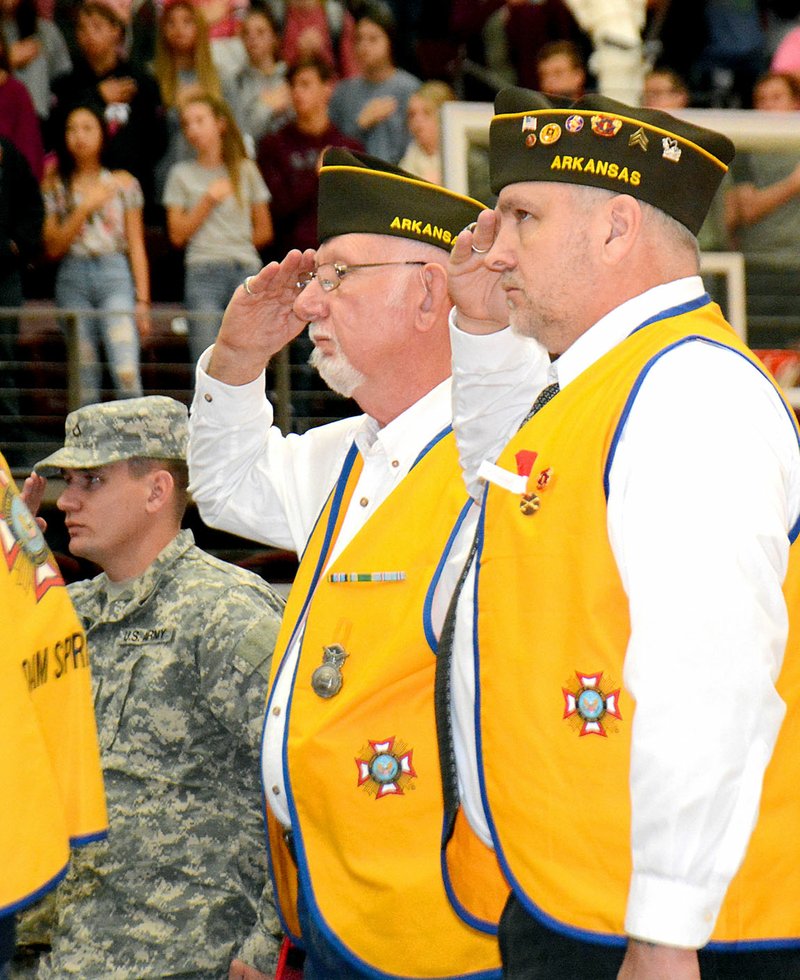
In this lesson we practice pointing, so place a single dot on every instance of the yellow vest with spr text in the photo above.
(362, 767)
(49, 762)
(552, 633)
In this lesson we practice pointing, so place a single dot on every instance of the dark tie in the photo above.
(444, 658)
(545, 395)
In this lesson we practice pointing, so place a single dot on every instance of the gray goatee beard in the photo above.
(335, 370)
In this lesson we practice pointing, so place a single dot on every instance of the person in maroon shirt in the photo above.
(18, 119)
(289, 158)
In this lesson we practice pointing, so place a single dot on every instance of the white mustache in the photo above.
(314, 331)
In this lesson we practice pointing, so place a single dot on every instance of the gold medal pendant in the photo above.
(529, 504)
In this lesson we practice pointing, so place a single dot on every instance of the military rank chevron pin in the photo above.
(639, 138)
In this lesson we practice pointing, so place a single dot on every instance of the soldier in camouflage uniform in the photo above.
(181, 644)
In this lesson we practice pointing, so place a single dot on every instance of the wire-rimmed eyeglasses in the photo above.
(330, 274)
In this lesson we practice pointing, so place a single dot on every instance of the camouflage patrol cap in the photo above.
(153, 427)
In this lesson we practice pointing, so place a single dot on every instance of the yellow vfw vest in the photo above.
(553, 628)
(49, 761)
(363, 778)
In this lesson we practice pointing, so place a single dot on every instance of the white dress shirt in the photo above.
(248, 478)
(704, 490)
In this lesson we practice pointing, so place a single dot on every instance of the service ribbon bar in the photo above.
(367, 577)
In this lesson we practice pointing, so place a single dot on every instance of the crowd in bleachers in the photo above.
(176, 142)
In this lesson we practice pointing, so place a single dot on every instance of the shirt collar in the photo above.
(404, 437)
(138, 590)
(615, 326)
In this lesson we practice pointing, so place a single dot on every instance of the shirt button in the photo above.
(395, 463)
(364, 501)
(208, 397)
(276, 711)
(276, 790)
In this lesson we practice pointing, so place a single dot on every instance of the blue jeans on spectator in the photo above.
(103, 283)
(208, 289)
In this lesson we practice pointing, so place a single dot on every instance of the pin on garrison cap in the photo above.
(360, 193)
(657, 158)
(153, 427)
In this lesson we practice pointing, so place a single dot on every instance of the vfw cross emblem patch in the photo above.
(590, 706)
(386, 769)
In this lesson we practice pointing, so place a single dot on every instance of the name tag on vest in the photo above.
(505, 479)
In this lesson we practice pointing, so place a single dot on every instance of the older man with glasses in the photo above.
(349, 757)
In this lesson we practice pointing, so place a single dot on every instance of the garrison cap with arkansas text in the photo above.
(657, 158)
(360, 193)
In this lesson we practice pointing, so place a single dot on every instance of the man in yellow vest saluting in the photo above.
(349, 758)
(627, 737)
(50, 763)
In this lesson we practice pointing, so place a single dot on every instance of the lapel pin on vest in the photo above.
(326, 681)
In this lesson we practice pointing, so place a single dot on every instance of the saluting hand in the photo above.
(473, 284)
(32, 494)
(259, 322)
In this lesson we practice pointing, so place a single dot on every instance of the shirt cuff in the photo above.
(227, 404)
(473, 352)
(671, 913)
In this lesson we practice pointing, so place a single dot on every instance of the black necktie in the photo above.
(545, 395)
(442, 688)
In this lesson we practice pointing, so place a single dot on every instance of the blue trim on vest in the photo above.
(338, 494)
(795, 529)
(479, 539)
(303, 877)
(460, 909)
(679, 310)
(361, 968)
(667, 314)
(580, 934)
(81, 840)
(437, 438)
(427, 608)
(481, 925)
(285, 764)
(34, 896)
(296, 940)
(753, 946)
(585, 935)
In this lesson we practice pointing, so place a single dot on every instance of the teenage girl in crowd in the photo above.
(93, 223)
(423, 156)
(218, 210)
(260, 93)
(183, 67)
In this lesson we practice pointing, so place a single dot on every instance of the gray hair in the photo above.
(675, 236)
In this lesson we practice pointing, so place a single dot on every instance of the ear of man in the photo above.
(622, 215)
(434, 302)
(161, 489)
